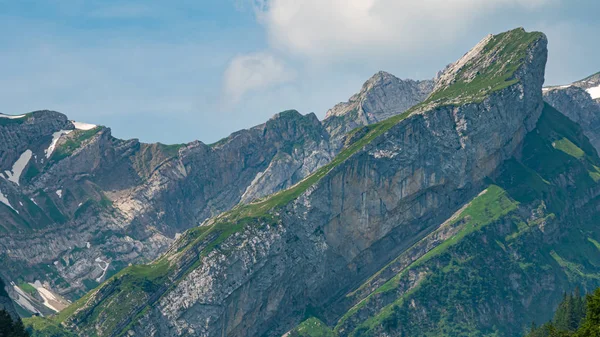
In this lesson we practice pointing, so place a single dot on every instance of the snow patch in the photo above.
(11, 117)
(59, 193)
(88, 245)
(83, 126)
(384, 154)
(4, 200)
(18, 167)
(51, 300)
(55, 138)
(544, 89)
(594, 92)
(104, 269)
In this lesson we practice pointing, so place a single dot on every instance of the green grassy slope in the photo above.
(508, 50)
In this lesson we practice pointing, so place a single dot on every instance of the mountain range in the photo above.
(464, 205)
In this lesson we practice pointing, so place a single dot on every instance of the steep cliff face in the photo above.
(577, 103)
(10, 323)
(6, 303)
(517, 245)
(257, 269)
(382, 96)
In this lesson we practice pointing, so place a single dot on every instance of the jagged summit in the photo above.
(382, 96)
(591, 85)
(592, 80)
(370, 99)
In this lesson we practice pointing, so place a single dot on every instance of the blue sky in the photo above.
(183, 70)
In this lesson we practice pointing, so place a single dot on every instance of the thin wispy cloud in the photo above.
(255, 71)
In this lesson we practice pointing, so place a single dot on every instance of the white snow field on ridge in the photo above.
(11, 116)
(594, 92)
(83, 126)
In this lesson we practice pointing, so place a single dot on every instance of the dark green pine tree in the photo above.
(578, 311)
(591, 324)
(561, 316)
(567, 318)
(9, 327)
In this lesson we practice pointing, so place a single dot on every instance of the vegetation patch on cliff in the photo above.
(506, 53)
(312, 327)
(73, 142)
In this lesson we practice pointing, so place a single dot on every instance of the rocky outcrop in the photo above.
(256, 270)
(31, 131)
(576, 103)
(6, 303)
(591, 84)
(382, 96)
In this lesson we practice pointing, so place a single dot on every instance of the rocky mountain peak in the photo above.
(377, 79)
(291, 114)
(380, 86)
(590, 81)
(591, 85)
(452, 73)
(496, 62)
(382, 96)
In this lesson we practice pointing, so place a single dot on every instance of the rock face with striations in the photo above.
(257, 269)
(6, 303)
(382, 96)
(83, 201)
(577, 103)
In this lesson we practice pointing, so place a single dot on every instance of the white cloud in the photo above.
(256, 71)
(325, 30)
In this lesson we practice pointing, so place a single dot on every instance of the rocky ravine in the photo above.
(257, 269)
(77, 205)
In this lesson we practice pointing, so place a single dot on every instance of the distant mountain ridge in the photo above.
(79, 205)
